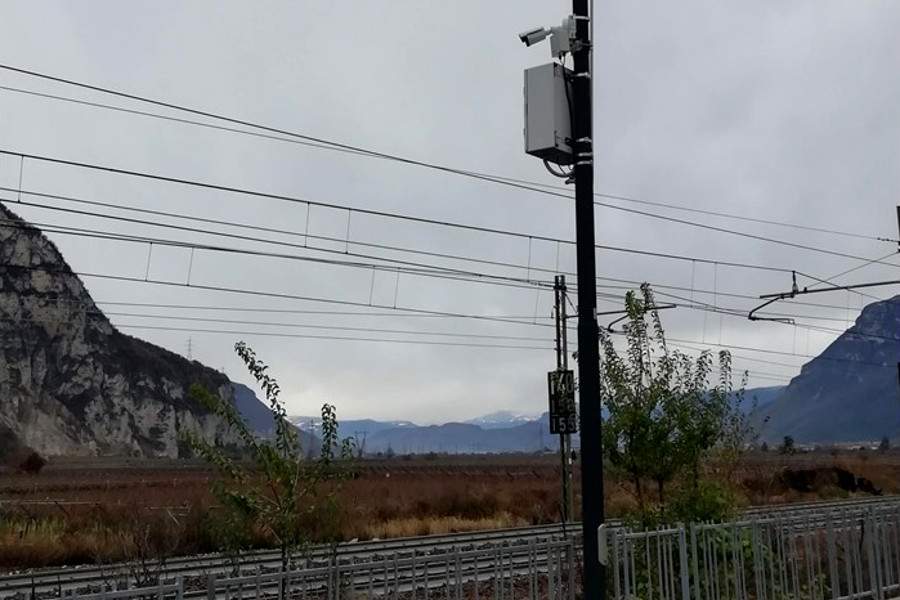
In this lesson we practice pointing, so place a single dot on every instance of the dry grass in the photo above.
(91, 514)
(414, 526)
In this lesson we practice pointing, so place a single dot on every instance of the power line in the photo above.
(386, 214)
(75, 231)
(280, 295)
(307, 326)
(782, 353)
(317, 337)
(324, 144)
(254, 309)
(744, 234)
(140, 239)
(403, 309)
(325, 238)
(275, 130)
(657, 286)
(340, 338)
(248, 226)
(281, 197)
(741, 314)
(421, 270)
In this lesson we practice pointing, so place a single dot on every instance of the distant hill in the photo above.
(758, 398)
(258, 416)
(405, 437)
(350, 427)
(460, 438)
(849, 392)
(501, 431)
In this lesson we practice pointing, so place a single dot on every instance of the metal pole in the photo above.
(562, 364)
(594, 584)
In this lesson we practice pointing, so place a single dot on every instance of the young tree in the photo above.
(664, 417)
(787, 446)
(281, 493)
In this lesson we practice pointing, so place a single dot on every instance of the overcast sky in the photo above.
(779, 110)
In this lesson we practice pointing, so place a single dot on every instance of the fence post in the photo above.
(869, 527)
(211, 587)
(683, 563)
(457, 567)
(617, 587)
(551, 593)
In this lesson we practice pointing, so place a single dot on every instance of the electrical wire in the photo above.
(281, 197)
(317, 337)
(305, 236)
(404, 309)
(317, 326)
(262, 294)
(322, 143)
(81, 305)
(696, 306)
(420, 270)
(386, 214)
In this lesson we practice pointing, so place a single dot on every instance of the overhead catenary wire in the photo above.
(741, 314)
(315, 326)
(260, 293)
(306, 236)
(268, 310)
(411, 218)
(393, 265)
(324, 337)
(157, 240)
(322, 143)
(342, 263)
(102, 235)
(287, 296)
(309, 202)
(860, 259)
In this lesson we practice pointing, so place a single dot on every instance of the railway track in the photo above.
(59, 580)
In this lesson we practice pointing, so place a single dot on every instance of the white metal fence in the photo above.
(824, 554)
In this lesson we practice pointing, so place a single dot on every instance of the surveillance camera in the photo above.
(534, 36)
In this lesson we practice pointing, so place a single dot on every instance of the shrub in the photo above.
(32, 463)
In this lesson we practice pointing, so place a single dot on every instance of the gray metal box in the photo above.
(548, 126)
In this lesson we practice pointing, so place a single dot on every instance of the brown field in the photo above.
(101, 511)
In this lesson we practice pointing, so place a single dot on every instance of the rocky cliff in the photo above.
(70, 382)
(847, 393)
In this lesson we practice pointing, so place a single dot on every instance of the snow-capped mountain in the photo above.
(503, 419)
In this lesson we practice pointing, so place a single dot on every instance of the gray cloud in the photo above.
(782, 111)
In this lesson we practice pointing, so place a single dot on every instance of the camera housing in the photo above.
(534, 36)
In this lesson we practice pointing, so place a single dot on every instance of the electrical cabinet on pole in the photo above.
(573, 37)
